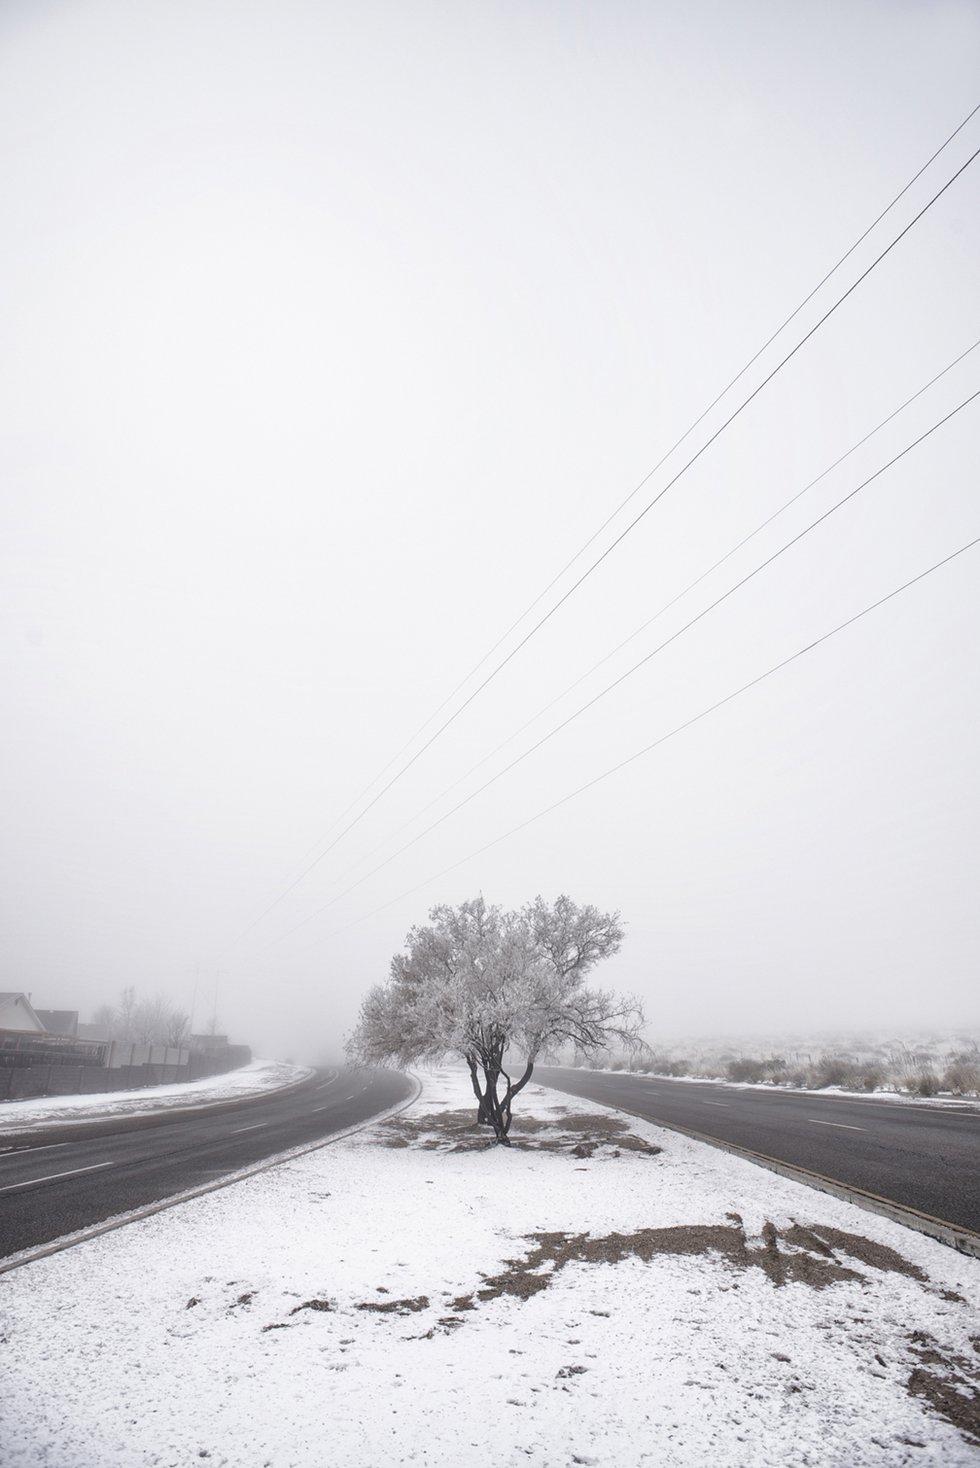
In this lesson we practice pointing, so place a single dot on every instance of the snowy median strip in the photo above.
(603, 1292)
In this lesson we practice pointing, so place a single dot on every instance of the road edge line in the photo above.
(122, 1220)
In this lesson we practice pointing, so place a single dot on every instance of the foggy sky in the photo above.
(330, 333)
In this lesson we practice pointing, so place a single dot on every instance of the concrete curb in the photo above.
(121, 1220)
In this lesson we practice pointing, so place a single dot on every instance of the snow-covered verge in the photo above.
(913, 1066)
(604, 1292)
(944, 1101)
(256, 1079)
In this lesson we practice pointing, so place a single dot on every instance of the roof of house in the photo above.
(59, 1021)
(10, 999)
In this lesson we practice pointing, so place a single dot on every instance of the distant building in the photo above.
(17, 1013)
(59, 1021)
(26, 1040)
(94, 1032)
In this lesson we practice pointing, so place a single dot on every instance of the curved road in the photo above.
(59, 1180)
(923, 1157)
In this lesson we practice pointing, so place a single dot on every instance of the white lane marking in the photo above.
(716, 1103)
(323, 1108)
(44, 1147)
(49, 1177)
(255, 1125)
(845, 1125)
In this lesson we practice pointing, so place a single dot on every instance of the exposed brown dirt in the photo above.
(313, 1305)
(582, 1134)
(396, 1307)
(798, 1255)
(452, 1131)
(951, 1386)
(866, 1251)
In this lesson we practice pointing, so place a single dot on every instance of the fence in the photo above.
(19, 1082)
(24, 1049)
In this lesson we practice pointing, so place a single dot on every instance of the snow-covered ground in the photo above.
(256, 1079)
(604, 1292)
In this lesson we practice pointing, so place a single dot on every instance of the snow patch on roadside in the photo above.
(256, 1079)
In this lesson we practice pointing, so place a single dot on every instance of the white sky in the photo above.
(328, 334)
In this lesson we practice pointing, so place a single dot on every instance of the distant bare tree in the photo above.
(144, 1021)
(106, 1016)
(481, 981)
(176, 1028)
(124, 1014)
(150, 1021)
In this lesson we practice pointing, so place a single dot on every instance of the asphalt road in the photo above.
(924, 1157)
(55, 1182)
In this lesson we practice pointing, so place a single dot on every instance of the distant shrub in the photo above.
(830, 1070)
(926, 1083)
(745, 1069)
(962, 1077)
(658, 1062)
(841, 1070)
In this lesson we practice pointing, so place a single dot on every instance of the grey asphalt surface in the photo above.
(57, 1181)
(920, 1156)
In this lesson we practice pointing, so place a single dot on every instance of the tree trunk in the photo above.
(528, 1070)
(493, 1112)
(482, 1097)
(500, 1121)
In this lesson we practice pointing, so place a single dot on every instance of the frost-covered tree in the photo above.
(479, 983)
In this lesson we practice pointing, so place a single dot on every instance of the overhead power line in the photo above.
(763, 525)
(633, 523)
(663, 738)
(660, 462)
(546, 738)
(696, 424)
